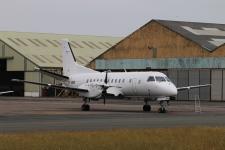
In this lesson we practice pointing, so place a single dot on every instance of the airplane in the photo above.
(5, 92)
(95, 85)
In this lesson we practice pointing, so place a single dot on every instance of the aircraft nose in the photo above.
(173, 90)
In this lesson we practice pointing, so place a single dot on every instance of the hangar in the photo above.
(189, 53)
(21, 52)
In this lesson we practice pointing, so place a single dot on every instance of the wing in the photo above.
(52, 85)
(192, 87)
(5, 92)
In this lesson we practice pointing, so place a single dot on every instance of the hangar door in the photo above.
(2, 65)
(6, 83)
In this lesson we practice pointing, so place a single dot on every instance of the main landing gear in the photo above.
(162, 109)
(146, 107)
(85, 106)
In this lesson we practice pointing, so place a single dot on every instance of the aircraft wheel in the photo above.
(162, 110)
(85, 107)
(146, 108)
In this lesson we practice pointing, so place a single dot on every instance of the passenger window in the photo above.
(115, 80)
(123, 80)
(130, 80)
(119, 80)
(150, 78)
(93, 80)
(97, 80)
(90, 80)
(100, 80)
(139, 81)
(112, 81)
(87, 81)
(160, 79)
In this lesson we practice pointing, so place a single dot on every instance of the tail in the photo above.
(70, 66)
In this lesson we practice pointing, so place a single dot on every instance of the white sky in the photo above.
(102, 17)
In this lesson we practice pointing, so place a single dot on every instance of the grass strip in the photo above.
(196, 138)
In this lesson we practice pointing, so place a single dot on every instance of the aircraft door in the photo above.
(134, 86)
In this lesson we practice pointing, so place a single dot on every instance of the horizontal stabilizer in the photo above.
(5, 92)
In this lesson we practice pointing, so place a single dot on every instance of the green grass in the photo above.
(198, 138)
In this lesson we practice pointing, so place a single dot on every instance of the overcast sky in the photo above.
(102, 17)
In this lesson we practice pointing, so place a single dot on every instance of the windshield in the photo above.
(167, 79)
(160, 79)
(151, 78)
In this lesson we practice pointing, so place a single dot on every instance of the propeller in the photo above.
(105, 87)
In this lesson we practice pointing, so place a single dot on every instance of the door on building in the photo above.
(2, 65)
(6, 83)
(134, 85)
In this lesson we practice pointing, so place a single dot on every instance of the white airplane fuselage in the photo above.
(91, 84)
(129, 83)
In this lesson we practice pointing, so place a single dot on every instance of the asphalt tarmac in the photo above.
(50, 114)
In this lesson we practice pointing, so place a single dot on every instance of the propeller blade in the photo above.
(106, 77)
(105, 87)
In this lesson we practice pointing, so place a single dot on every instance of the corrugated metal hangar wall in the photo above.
(189, 53)
(21, 52)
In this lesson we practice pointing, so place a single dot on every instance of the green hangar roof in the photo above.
(44, 49)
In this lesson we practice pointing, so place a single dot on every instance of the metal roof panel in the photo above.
(44, 49)
(208, 35)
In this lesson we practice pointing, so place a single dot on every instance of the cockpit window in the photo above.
(167, 79)
(160, 79)
(150, 78)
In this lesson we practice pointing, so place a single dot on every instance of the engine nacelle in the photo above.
(94, 91)
(163, 98)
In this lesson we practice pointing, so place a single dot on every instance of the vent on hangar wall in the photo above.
(58, 59)
(95, 45)
(39, 59)
(87, 44)
(73, 45)
(104, 44)
(110, 45)
(33, 42)
(77, 44)
(41, 43)
(22, 42)
(45, 58)
(14, 41)
(53, 44)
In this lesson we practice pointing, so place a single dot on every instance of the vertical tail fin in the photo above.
(70, 66)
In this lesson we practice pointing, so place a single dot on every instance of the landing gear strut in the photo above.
(163, 105)
(146, 106)
(85, 106)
